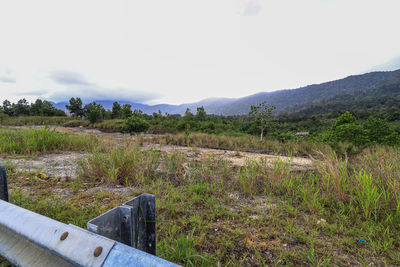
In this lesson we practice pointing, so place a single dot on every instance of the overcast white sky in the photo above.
(176, 51)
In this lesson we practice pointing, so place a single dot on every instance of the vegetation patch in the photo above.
(29, 142)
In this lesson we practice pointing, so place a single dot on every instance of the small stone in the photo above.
(268, 254)
(291, 240)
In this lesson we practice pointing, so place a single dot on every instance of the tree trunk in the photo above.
(262, 134)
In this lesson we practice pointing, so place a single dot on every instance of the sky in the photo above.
(181, 51)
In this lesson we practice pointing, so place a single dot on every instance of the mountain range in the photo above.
(286, 101)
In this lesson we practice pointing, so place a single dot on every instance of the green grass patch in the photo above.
(29, 142)
(35, 120)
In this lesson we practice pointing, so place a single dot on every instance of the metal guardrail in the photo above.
(30, 239)
(133, 223)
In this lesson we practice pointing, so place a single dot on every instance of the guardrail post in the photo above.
(133, 223)
(3, 184)
(144, 219)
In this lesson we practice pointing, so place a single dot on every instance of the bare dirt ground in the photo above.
(56, 165)
(64, 165)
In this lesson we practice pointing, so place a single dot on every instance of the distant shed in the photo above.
(302, 133)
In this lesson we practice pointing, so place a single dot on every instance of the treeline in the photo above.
(356, 129)
(95, 112)
(23, 108)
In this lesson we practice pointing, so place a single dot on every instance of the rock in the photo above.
(291, 240)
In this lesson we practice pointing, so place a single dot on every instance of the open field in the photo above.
(229, 207)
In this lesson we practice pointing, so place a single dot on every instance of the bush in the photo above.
(94, 115)
(135, 124)
(377, 129)
(352, 133)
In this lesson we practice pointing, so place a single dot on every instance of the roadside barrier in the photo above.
(115, 238)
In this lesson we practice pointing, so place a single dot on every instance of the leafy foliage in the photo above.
(75, 107)
(94, 112)
(135, 124)
(262, 115)
(23, 108)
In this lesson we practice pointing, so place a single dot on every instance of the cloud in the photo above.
(68, 78)
(6, 75)
(251, 8)
(72, 84)
(94, 92)
(7, 79)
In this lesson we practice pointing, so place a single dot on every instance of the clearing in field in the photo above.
(216, 206)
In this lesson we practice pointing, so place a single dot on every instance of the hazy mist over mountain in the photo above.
(283, 99)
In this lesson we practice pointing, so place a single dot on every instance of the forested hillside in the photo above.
(352, 85)
(383, 97)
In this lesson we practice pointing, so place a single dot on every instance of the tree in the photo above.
(345, 118)
(201, 114)
(21, 108)
(75, 107)
(7, 107)
(377, 129)
(94, 112)
(126, 111)
(188, 113)
(116, 110)
(37, 108)
(262, 115)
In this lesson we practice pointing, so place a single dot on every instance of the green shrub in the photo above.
(135, 124)
(377, 129)
(352, 133)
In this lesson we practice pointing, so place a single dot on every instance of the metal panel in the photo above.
(133, 223)
(23, 252)
(3, 184)
(70, 243)
(122, 255)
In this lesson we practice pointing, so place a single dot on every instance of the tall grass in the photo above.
(36, 120)
(242, 143)
(19, 141)
(109, 125)
(128, 165)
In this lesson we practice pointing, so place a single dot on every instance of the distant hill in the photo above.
(290, 100)
(285, 98)
(384, 96)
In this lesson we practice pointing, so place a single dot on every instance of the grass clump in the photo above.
(29, 142)
(129, 165)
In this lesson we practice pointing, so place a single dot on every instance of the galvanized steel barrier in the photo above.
(30, 239)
